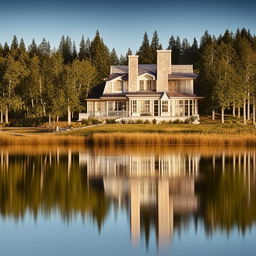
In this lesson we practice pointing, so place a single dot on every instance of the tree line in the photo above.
(41, 82)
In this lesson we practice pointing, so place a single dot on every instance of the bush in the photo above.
(28, 122)
(95, 121)
(111, 121)
(147, 122)
(177, 121)
(154, 121)
(86, 122)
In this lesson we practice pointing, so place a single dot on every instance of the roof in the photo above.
(182, 76)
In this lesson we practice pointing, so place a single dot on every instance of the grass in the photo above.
(206, 133)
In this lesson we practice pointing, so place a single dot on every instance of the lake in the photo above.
(155, 200)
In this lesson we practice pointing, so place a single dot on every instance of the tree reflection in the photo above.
(162, 189)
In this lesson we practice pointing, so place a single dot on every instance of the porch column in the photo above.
(196, 107)
(193, 107)
(107, 108)
(189, 114)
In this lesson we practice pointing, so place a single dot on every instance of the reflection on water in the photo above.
(162, 190)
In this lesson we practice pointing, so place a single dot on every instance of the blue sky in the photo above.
(122, 23)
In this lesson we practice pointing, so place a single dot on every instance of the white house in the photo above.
(159, 91)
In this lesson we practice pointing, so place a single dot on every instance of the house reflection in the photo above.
(164, 183)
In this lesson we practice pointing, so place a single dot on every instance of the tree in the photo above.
(175, 46)
(74, 53)
(82, 49)
(113, 57)
(15, 72)
(155, 45)
(100, 57)
(32, 49)
(144, 52)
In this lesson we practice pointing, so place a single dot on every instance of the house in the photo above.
(159, 91)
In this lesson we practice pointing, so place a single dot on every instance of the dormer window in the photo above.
(147, 83)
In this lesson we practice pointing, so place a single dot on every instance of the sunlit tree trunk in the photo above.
(244, 109)
(69, 116)
(50, 119)
(222, 115)
(1, 117)
(248, 107)
(239, 112)
(6, 115)
(213, 114)
(253, 113)
(234, 110)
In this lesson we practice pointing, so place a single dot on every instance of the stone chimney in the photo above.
(163, 69)
(133, 73)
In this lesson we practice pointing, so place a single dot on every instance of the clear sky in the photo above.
(122, 23)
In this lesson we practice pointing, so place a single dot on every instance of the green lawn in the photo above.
(204, 128)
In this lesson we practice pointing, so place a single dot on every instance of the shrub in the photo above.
(111, 121)
(147, 122)
(28, 122)
(86, 122)
(154, 121)
(177, 121)
(95, 121)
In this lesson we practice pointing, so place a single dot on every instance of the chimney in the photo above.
(163, 69)
(133, 73)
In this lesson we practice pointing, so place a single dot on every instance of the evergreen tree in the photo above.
(100, 56)
(185, 52)
(32, 49)
(6, 49)
(74, 53)
(22, 46)
(144, 52)
(113, 57)
(194, 54)
(155, 45)
(175, 46)
(88, 49)
(82, 49)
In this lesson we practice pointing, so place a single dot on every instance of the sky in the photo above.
(122, 23)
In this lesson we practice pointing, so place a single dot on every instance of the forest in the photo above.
(40, 84)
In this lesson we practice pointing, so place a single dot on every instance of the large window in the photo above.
(173, 86)
(134, 106)
(145, 107)
(165, 106)
(147, 85)
(120, 105)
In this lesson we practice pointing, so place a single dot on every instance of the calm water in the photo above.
(127, 201)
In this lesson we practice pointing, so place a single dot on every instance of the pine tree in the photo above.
(74, 53)
(175, 46)
(6, 49)
(185, 52)
(144, 52)
(22, 46)
(194, 54)
(88, 49)
(155, 45)
(113, 57)
(100, 56)
(82, 49)
(32, 49)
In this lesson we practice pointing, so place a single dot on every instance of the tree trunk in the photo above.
(69, 116)
(213, 114)
(1, 117)
(234, 110)
(253, 113)
(239, 112)
(222, 115)
(6, 115)
(50, 120)
(244, 109)
(57, 119)
(248, 108)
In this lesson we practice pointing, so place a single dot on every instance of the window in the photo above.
(134, 106)
(141, 85)
(120, 105)
(148, 85)
(110, 106)
(179, 108)
(145, 107)
(165, 106)
(173, 86)
(118, 86)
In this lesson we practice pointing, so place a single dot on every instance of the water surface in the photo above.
(127, 201)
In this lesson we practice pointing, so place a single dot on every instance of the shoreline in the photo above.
(131, 138)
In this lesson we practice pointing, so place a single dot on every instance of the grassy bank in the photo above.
(146, 134)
